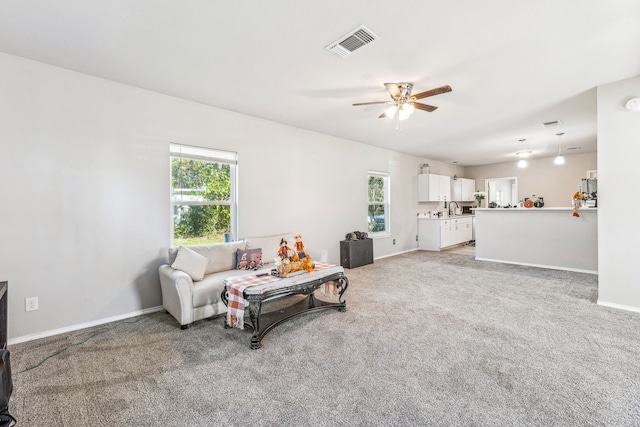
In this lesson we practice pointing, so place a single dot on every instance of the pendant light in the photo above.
(559, 160)
(523, 154)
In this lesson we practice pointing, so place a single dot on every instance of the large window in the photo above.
(378, 190)
(203, 195)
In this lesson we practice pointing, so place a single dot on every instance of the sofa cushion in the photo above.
(209, 290)
(191, 263)
(249, 259)
(221, 256)
(269, 245)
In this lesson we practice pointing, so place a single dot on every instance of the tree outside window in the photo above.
(378, 198)
(202, 195)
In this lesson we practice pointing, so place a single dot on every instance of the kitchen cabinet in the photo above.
(463, 190)
(446, 236)
(437, 234)
(461, 230)
(430, 234)
(434, 188)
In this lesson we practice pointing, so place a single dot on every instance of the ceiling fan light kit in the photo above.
(403, 103)
(389, 112)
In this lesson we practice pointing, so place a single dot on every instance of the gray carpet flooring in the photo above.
(431, 339)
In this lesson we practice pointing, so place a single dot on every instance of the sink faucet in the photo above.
(451, 204)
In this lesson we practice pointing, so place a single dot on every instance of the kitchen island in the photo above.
(540, 237)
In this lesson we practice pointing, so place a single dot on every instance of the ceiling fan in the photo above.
(403, 102)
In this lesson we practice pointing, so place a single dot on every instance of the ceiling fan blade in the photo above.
(432, 92)
(370, 103)
(393, 89)
(424, 107)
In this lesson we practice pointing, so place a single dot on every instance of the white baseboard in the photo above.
(53, 332)
(396, 253)
(552, 267)
(619, 306)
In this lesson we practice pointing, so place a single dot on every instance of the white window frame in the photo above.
(210, 155)
(387, 202)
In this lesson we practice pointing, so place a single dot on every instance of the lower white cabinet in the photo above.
(445, 234)
(436, 234)
(462, 232)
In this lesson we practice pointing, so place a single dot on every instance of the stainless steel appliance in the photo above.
(589, 188)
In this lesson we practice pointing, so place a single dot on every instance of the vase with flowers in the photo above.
(479, 196)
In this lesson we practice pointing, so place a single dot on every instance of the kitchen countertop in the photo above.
(427, 216)
(582, 209)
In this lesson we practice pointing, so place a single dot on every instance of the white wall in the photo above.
(555, 183)
(85, 218)
(618, 204)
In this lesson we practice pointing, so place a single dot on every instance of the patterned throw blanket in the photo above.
(236, 302)
(237, 285)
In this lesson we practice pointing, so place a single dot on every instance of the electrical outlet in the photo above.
(394, 241)
(31, 304)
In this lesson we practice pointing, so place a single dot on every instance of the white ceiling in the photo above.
(512, 64)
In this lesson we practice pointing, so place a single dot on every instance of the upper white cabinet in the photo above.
(433, 188)
(463, 190)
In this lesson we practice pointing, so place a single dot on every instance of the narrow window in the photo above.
(203, 195)
(378, 215)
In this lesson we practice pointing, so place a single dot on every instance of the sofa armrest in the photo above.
(177, 293)
(320, 255)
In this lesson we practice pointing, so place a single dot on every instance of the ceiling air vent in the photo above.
(553, 123)
(352, 41)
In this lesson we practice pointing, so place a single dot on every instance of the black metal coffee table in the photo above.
(306, 284)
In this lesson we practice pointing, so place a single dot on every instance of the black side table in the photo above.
(355, 253)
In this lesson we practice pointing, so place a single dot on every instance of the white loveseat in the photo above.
(192, 284)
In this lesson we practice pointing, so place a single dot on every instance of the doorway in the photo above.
(502, 191)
